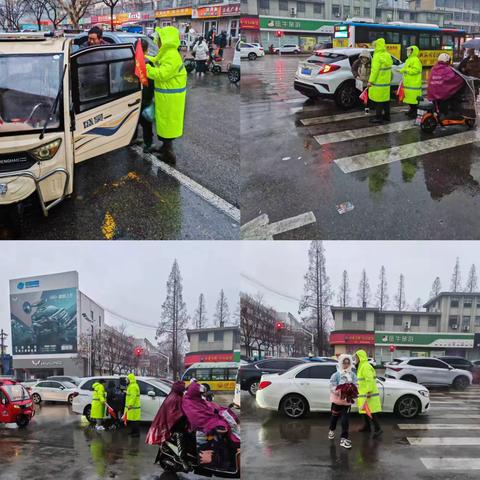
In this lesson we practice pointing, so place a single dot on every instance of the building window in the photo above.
(459, 4)
(415, 321)
(336, 11)
(318, 8)
(432, 321)
(454, 302)
(366, 12)
(264, 4)
(397, 320)
(203, 337)
(346, 11)
(347, 315)
(453, 322)
(449, 3)
(100, 321)
(283, 5)
(218, 336)
(477, 321)
(301, 7)
(466, 323)
(361, 316)
(401, 15)
(440, 3)
(467, 303)
(379, 319)
(356, 11)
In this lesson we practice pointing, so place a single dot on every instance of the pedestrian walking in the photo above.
(97, 411)
(170, 78)
(362, 67)
(368, 401)
(343, 392)
(200, 50)
(380, 81)
(132, 405)
(412, 80)
(115, 400)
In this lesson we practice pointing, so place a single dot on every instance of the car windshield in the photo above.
(16, 392)
(69, 385)
(162, 386)
(28, 87)
(326, 58)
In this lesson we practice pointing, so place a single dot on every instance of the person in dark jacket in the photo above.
(148, 93)
(115, 399)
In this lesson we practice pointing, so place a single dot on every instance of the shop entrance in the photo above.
(208, 25)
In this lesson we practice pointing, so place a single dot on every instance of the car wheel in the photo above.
(346, 96)
(70, 399)
(252, 56)
(36, 398)
(461, 383)
(407, 406)
(296, 52)
(294, 406)
(87, 412)
(22, 421)
(253, 387)
(234, 75)
(409, 378)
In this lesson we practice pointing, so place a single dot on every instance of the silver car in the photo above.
(428, 371)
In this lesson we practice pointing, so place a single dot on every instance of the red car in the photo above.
(16, 405)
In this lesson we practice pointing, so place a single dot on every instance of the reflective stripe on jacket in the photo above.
(381, 73)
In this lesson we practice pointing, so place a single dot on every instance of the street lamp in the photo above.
(92, 355)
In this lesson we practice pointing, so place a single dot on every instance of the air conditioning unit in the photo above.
(293, 12)
(407, 326)
(454, 326)
(466, 328)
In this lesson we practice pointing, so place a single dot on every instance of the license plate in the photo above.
(306, 71)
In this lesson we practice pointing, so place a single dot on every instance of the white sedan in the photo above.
(251, 50)
(52, 391)
(306, 388)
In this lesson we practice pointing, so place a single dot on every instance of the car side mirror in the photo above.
(4, 401)
(450, 367)
(62, 387)
(151, 393)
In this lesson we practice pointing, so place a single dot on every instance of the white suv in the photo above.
(152, 395)
(290, 48)
(251, 50)
(428, 371)
(328, 74)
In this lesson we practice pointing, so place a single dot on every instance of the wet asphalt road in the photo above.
(124, 196)
(287, 172)
(276, 447)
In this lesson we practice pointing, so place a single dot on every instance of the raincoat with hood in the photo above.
(412, 77)
(381, 73)
(443, 82)
(170, 79)
(367, 385)
(98, 401)
(168, 416)
(341, 377)
(132, 400)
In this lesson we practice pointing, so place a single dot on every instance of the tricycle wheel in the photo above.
(470, 122)
(429, 124)
(234, 75)
(216, 70)
(23, 421)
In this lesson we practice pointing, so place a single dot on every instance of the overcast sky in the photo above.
(127, 277)
(281, 266)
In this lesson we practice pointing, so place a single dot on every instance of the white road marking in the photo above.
(437, 426)
(437, 441)
(454, 463)
(453, 402)
(342, 116)
(360, 133)
(260, 228)
(401, 152)
(193, 186)
(460, 409)
(452, 415)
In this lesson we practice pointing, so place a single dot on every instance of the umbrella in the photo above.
(473, 43)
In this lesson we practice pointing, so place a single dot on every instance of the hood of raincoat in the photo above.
(379, 44)
(170, 38)
(340, 361)
(362, 356)
(131, 378)
(415, 51)
(443, 82)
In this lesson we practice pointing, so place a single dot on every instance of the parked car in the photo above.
(458, 362)
(66, 378)
(250, 375)
(15, 403)
(251, 50)
(428, 371)
(29, 383)
(53, 391)
(289, 48)
(306, 388)
(372, 362)
(152, 395)
(328, 74)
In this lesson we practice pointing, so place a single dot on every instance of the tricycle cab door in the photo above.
(106, 99)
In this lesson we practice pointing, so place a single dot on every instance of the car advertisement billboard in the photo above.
(43, 313)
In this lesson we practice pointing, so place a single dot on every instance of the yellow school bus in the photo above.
(216, 376)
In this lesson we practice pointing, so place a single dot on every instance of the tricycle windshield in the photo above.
(29, 85)
(16, 393)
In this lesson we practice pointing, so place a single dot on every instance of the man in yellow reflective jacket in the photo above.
(97, 411)
(412, 80)
(379, 81)
(170, 78)
(368, 394)
(132, 405)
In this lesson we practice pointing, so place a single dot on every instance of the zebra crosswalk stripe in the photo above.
(402, 152)
(432, 414)
(451, 463)
(438, 441)
(438, 426)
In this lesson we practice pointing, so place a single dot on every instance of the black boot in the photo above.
(366, 426)
(182, 451)
(167, 153)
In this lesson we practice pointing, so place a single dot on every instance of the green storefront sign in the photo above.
(460, 340)
(296, 24)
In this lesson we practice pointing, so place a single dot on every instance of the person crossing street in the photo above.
(132, 405)
(412, 80)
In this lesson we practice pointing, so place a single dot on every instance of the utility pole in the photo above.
(3, 337)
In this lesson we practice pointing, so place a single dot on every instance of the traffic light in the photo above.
(279, 33)
(279, 326)
(138, 351)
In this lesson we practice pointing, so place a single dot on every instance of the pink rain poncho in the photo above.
(444, 82)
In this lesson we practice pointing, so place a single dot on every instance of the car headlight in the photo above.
(424, 393)
(47, 151)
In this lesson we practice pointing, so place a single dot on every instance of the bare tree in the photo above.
(171, 330)
(418, 304)
(250, 314)
(400, 296)
(382, 295)
(11, 12)
(111, 4)
(75, 10)
(55, 12)
(436, 287)
(472, 282)
(456, 282)
(200, 313)
(37, 8)
(222, 314)
(344, 291)
(363, 290)
(317, 293)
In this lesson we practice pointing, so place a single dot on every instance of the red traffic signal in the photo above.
(392, 348)
(138, 351)
(279, 326)
(279, 33)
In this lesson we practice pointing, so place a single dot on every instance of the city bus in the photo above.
(216, 376)
(430, 39)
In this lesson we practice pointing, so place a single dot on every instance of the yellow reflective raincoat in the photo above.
(381, 73)
(412, 77)
(132, 400)
(367, 385)
(98, 401)
(170, 78)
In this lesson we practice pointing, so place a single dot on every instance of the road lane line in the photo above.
(360, 133)
(454, 463)
(452, 415)
(193, 186)
(438, 441)
(402, 152)
(457, 409)
(453, 402)
(342, 116)
(260, 227)
(437, 426)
